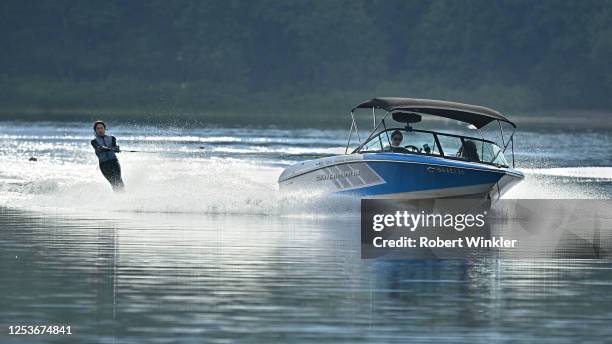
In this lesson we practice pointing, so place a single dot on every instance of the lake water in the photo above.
(203, 247)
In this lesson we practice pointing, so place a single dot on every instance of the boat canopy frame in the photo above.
(477, 116)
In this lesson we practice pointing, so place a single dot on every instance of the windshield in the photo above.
(423, 142)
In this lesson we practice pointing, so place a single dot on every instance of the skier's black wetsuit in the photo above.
(106, 147)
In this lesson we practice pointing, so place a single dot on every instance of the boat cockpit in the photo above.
(408, 140)
(424, 142)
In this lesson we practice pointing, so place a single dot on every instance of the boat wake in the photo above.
(155, 185)
(228, 186)
(563, 183)
(593, 173)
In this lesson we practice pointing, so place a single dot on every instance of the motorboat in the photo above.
(398, 160)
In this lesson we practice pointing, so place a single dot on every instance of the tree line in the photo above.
(275, 56)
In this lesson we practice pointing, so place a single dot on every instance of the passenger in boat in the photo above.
(105, 147)
(469, 152)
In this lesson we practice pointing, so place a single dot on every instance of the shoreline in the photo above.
(544, 119)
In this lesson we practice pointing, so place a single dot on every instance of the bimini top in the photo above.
(478, 116)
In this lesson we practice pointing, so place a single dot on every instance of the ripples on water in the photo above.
(203, 248)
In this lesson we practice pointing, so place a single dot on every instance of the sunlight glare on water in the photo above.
(229, 170)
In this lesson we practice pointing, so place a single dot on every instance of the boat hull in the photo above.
(393, 175)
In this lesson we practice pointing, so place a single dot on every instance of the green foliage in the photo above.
(302, 56)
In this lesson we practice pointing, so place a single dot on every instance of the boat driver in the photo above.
(396, 141)
(396, 138)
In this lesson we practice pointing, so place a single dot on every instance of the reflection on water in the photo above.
(219, 278)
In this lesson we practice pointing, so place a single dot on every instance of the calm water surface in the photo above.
(203, 248)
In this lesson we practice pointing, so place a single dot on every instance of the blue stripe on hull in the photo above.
(404, 177)
(434, 160)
